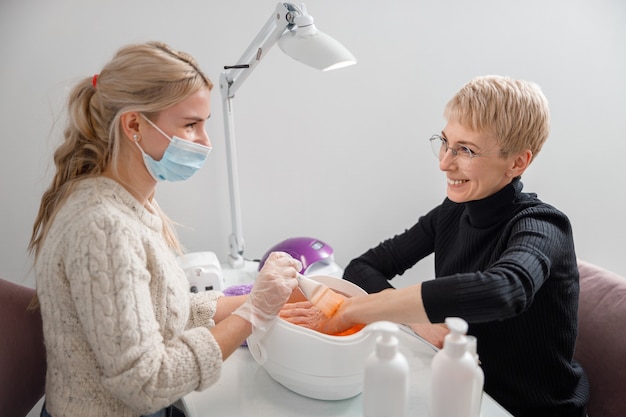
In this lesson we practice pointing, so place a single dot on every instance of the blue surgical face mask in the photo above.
(180, 161)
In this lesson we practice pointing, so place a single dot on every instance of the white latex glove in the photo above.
(272, 288)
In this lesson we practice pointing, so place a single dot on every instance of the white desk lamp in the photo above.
(298, 37)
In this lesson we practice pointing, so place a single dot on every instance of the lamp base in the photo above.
(236, 261)
(238, 275)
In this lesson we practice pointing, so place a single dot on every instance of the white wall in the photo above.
(341, 156)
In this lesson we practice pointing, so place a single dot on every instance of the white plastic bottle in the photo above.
(479, 376)
(386, 376)
(453, 374)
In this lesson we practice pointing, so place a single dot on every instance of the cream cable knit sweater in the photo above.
(124, 336)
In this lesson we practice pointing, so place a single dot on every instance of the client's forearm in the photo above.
(401, 306)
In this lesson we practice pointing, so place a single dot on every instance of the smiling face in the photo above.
(486, 173)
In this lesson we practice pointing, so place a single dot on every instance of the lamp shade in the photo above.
(314, 48)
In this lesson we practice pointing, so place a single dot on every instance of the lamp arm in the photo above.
(278, 22)
(230, 81)
(235, 242)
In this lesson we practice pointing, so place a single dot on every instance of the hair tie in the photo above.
(94, 80)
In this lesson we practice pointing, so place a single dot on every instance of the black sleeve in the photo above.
(373, 269)
(535, 245)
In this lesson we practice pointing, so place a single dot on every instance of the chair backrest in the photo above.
(22, 352)
(601, 343)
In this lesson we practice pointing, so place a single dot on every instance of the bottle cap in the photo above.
(386, 343)
(455, 342)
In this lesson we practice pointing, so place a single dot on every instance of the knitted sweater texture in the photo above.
(507, 265)
(124, 336)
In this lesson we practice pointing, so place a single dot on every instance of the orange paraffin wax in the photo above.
(352, 330)
(328, 301)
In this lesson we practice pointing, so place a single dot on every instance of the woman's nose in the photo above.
(204, 139)
(447, 160)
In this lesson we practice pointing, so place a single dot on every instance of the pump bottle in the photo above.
(454, 374)
(479, 376)
(386, 376)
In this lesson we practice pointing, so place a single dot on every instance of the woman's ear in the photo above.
(129, 123)
(521, 162)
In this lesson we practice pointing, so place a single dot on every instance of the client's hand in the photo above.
(432, 333)
(305, 314)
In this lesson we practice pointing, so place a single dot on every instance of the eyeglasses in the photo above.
(462, 153)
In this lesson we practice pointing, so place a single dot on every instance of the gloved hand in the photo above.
(305, 314)
(272, 288)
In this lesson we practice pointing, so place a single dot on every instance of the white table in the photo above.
(246, 389)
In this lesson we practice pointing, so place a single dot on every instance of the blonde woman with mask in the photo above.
(123, 334)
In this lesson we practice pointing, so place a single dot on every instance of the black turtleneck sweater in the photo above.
(506, 264)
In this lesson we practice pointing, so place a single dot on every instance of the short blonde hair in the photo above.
(515, 112)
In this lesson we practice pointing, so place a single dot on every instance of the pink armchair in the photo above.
(22, 353)
(601, 343)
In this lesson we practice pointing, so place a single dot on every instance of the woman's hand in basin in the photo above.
(305, 314)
